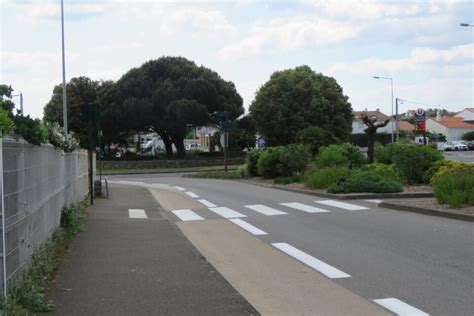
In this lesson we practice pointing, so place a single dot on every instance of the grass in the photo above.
(165, 170)
(216, 175)
(456, 190)
(28, 295)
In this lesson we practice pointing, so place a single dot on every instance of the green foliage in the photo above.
(361, 139)
(28, 296)
(353, 155)
(217, 175)
(288, 180)
(468, 136)
(293, 159)
(5, 96)
(6, 123)
(59, 139)
(321, 178)
(414, 160)
(384, 154)
(32, 130)
(365, 181)
(316, 138)
(298, 98)
(252, 161)
(267, 165)
(386, 171)
(331, 156)
(455, 189)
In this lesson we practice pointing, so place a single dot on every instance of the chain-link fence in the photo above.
(37, 182)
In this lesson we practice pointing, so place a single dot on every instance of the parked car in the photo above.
(470, 145)
(448, 146)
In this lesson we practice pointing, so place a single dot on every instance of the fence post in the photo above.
(4, 252)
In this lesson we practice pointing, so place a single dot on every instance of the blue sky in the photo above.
(418, 43)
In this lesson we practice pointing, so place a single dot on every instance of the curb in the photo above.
(354, 196)
(166, 172)
(427, 211)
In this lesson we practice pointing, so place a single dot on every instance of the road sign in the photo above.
(420, 121)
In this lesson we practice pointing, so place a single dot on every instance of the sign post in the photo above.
(420, 123)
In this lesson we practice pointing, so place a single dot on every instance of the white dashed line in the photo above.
(187, 215)
(250, 228)
(206, 203)
(265, 210)
(346, 206)
(399, 307)
(305, 208)
(226, 212)
(191, 194)
(374, 201)
(311, 261)
(137, 213)
(180, 188)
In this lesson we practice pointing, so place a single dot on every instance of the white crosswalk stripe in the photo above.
(180, 188)
(316, 264)
(399, 307)
(136, 213)
(343, 205)
(304, 207)
(187, 215)
(374, 201)
(226, 212)
(265, 210)
(191, 194)
(206, 203)
(250, 228)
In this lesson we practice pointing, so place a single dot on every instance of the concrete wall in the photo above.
(37, 182)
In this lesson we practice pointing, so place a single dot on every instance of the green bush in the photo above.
(32, 130)
(321, 178)
(252, 160)
(268, 162)
(293, 159)
(353, 154)
(454, 185)
(6, 123)
(386, 171)
(331, 156)
(287, 180)
(414, 160)
(365, 181)
(316, 138)
(468, 136)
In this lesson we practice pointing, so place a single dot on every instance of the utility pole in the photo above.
(397, 128)
(64, 71)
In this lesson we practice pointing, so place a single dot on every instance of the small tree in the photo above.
(371, 130)
(468, 136)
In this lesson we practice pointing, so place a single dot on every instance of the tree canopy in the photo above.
(295, 99)
(168, 94)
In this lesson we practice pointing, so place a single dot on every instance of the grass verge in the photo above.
(28, 295)
(216, 175)
(166, 170)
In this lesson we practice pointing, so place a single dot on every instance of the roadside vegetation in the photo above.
(28, 296)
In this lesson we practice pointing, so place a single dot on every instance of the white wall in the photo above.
(467, 115)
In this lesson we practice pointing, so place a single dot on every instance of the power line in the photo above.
(431, 105)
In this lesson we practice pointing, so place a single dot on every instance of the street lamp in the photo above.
(391, 85)
(466, 24)
(64, 70)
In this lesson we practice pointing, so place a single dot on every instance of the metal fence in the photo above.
(35, 183)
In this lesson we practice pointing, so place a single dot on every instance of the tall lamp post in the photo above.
(64, 71)
(21, 101)
(391, 85)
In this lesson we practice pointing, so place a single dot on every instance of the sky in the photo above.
(419, 44)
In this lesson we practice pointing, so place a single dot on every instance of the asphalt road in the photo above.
(462, 156)
(423, 261)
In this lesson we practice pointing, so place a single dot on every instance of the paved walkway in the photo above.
(139, 266)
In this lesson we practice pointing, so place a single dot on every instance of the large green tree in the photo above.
(295, 99)
(168, 94)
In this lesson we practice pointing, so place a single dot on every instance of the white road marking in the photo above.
(265, 210)
(374, 201)
(305, 208)
(136, 213)
(346, 206)
(191, 194)
(311, 261)
(180, 188)
(399, 307)
(250, 228)
(207, 203)
(226, 212)
(187, 215)
(132, 182)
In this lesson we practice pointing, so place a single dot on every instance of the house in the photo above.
(467, 114)
(406, 126)
(204, 134)
(358, 125)
(452, 127)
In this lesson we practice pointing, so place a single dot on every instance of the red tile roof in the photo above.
(405, 126)
(379, 115)
(453, 122)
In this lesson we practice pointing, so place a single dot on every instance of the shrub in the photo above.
(468, 136)
(288, 180)
(353, 154)
(268, 161)
(293, 159)
(322, 178)
(384, 154)
(33, 131)
(316, 138)
(365, 181)
(252, 160)
(454, 184)
(414, 160)
(386, 171)
(331, 156)
(6, 123)
(60, 139)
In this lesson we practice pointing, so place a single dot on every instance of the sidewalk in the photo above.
(125, 266)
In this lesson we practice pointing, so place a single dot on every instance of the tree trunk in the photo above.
(370, 147)
(168, 144)
(179, 144)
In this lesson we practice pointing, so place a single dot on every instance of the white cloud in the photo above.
(284, 35)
